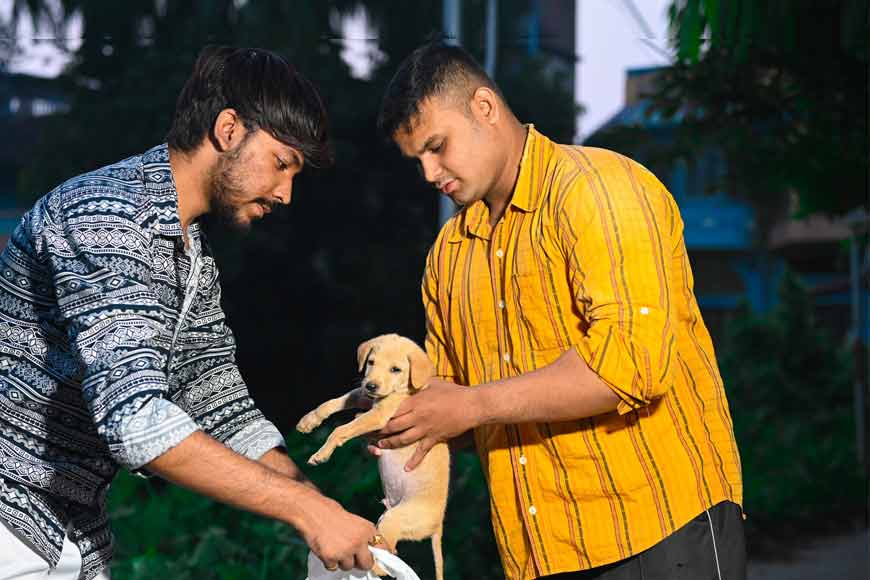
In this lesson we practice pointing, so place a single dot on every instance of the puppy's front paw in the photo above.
(308, 423)
(321, 456)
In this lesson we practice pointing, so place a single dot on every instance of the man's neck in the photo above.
(189, 170)
(500, 195)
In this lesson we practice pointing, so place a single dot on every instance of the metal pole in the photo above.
(855, 342)
(491, 37)
(578, 64)
(452, 14)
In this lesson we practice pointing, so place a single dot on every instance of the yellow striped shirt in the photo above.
(588, 255)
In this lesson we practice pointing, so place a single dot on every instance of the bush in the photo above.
(790, 388)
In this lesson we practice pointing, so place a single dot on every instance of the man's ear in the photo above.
(486, 105)
(362, 353)
(228, 130)
(421, 368)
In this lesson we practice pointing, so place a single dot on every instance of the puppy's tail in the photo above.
(437, 555)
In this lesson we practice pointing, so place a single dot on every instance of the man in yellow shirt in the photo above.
(562, 293)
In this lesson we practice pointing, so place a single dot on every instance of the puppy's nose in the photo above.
(371, 387)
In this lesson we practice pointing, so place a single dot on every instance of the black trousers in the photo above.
(710, 547)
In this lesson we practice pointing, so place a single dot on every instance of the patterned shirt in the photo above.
(589, 255)
(113, 349)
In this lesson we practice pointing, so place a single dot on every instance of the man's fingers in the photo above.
(398, 424)
(364, 559)
(420, 453)
(373, 450)
(347, 563)
(402, 439)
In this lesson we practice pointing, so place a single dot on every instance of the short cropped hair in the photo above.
(266, 92)
(436, 69)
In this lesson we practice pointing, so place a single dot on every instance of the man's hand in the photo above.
(338, 537)
(440, 412)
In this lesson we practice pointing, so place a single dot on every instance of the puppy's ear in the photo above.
(362, 353)
(421, 367)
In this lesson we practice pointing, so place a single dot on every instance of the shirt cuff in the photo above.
(158, 426)
(255, 439)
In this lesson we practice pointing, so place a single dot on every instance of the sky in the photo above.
(610, 41)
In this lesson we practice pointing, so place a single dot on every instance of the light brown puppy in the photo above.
(393, 369)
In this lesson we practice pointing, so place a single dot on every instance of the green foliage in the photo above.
(790, 389)
(163, 531)
(780, 87)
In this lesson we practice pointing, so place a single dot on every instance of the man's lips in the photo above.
(448, 187)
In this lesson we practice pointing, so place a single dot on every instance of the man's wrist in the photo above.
(479, 406)
(303, 507)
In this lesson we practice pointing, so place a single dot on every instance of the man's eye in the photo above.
(282, 165)
(395, 370)
(437, 148)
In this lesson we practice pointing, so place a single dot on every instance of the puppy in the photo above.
(393, 368)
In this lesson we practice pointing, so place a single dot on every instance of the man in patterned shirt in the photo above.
(562, 293)
(114, 352)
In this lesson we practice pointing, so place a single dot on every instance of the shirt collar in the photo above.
(527, 191)
(526, 194)
(159, 182)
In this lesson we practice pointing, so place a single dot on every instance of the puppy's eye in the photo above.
(395, 370)
(370, 362)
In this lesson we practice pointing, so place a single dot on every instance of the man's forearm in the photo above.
(206, 466)
(278, 460)
(563, 390)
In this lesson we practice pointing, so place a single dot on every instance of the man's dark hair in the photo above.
(264, 89)
(436, 69)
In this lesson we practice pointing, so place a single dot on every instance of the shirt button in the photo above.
(644, 310)
(533, 510)
(501, 304)
(499, 253)
(506, 357)
(522, 459)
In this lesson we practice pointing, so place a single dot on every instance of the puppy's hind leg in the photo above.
(437, 555)
(403, 522)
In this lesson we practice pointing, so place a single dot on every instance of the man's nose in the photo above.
(285, 192)
(431, 169)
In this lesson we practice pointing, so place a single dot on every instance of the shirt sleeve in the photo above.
(101, 272)
(213, 390)
(436, 341)
(614, 226)
(219, 401)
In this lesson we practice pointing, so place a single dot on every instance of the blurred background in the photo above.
(752, 112)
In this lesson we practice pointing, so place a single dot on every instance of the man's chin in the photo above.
(235, 221)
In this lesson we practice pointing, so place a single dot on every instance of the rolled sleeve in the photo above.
(256, 438)
(151, 431)
(615, 236)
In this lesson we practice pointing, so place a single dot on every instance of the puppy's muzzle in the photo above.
(371, 390)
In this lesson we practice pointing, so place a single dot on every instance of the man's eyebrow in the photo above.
(294, 155)
(428, 143)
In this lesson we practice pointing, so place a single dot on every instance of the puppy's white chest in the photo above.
(398, 483)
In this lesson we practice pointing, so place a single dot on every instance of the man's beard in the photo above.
(225, 189)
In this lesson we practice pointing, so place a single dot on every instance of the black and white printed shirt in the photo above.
(113, 349)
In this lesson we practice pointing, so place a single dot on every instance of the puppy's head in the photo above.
(392, 364)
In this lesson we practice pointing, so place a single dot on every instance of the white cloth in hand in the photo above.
(393, 565)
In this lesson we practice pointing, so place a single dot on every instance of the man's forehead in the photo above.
(429, 121)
